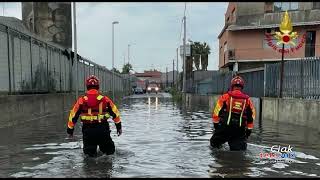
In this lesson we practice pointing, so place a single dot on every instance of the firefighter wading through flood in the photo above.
(94, 110)
(233, 118)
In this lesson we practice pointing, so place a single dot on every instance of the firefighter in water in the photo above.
(233, 118)
(94, 110)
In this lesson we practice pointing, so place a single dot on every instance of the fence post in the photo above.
(59, 59)
(9, 64)
(264, 79)
(48, 88)
(301, 80)
(31, 65)
(13, 63)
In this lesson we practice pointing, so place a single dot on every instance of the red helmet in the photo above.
(237, 80)
(92, 81)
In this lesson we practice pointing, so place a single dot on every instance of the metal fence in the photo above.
(219, 83)
(254, 83)
(30, 65)
(301, 79)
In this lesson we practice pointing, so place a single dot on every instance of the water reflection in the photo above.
(229, 164)
(92, 167)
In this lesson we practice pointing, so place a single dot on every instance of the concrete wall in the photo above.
(249, 8)
(195, 99)
(293, 111)
(253, 13)
(18, 109)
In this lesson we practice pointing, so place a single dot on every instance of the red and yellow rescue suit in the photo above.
(233, 118)
(94, 110)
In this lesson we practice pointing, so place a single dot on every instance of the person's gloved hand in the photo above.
(119, 128)
(248, 132)
(216, 125)
(70, 132)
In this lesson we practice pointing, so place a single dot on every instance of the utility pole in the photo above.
(177, 70)
(75, 48)
(124, 59)
(113, 23)
(281, 71)
(172, 73)
(166, 77)
(128, 53)
(184, 55)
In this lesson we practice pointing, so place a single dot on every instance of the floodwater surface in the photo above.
(160, 139)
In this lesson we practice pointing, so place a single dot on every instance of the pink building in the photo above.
(242, 41)
(150, 76)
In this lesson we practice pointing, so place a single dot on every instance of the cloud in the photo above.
(153, 27)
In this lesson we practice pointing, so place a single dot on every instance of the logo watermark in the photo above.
(278, 153)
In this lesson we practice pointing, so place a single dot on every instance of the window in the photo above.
(285, 6)
(310, 44)
(316, 5)
(225, 47)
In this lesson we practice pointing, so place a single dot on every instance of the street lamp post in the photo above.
(184, 56)
(129, 51)
(113, 23)
(75, 49)
(129, 61)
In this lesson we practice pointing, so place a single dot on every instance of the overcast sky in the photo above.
(153, 28)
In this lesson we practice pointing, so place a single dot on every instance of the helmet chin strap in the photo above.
(93, 87)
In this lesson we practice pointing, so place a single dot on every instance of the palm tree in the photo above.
(205, 51)
(196, 53)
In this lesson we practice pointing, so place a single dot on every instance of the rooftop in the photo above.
(237, 27)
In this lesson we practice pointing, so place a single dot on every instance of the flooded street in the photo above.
(160, 139)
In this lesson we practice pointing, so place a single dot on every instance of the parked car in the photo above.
(138, 90)
(153, 88)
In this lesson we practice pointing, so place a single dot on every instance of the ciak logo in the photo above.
(286, 37)
(278, 152)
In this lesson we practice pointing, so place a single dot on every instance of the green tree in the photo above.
(196, 53)
(115, 70)
(126, 68)
(205, 51)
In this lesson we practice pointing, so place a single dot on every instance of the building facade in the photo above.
(243, 44)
